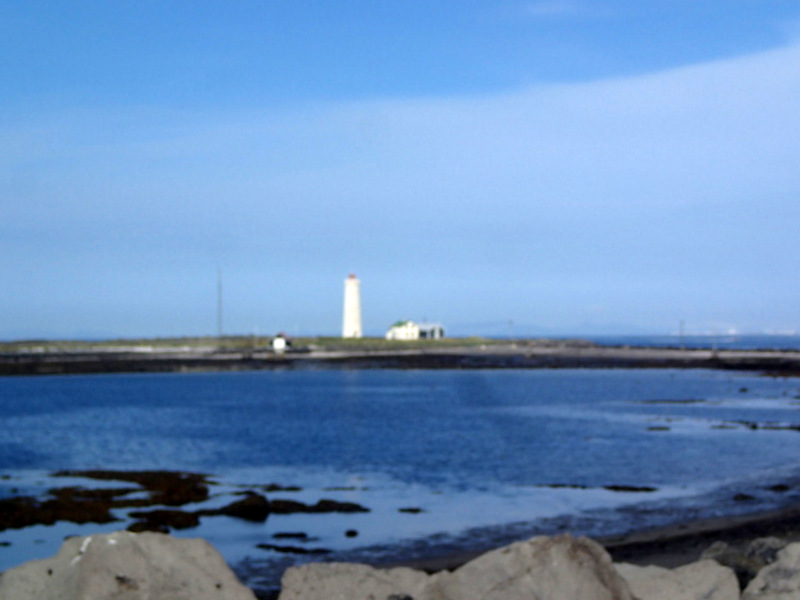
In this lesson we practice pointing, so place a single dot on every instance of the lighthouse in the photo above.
(351, 323)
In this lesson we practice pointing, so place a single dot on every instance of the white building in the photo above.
(408, 330)
(351, 320)
(280, 343)
(403, 330)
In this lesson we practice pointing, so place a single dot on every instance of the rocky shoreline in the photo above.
(153, 565)
(167, 501)
(521, 355)
(563, 567)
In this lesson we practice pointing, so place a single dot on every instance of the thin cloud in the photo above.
(615, 192)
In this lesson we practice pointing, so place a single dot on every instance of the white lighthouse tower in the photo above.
(351, 323)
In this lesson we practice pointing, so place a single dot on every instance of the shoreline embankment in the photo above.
(525, 355)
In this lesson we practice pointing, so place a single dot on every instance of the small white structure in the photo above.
(408, 330)
(431, 331)
(279, 344)
(403, 330)
(351, 321)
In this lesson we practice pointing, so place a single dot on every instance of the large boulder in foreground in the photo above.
(703, 580)
(557, 568)
(779, 580)
(561, 568)
(126, 566)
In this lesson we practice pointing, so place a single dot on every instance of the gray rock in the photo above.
(746, 567)
(723, 553)
(126, 566)
(779, 580)
(557, 568)
(746, 564)
(765, 550)
(331, 581)
(703, 580)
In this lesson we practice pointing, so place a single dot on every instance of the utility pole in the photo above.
(219, 303)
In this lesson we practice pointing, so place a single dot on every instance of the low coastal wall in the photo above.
(511, 356)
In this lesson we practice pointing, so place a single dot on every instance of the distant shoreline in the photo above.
(534, 354)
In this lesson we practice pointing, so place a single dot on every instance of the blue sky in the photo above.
(574, 167)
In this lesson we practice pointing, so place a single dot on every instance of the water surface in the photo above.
(486, 456)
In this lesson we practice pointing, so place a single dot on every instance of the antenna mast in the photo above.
(219, 302)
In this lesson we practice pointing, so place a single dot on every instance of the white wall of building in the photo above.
(404, 330)
(408, 330)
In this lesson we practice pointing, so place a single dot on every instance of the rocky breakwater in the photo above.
(154, 566)
(557, 568)
(523, 354)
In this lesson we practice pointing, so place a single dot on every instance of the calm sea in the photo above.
(720, 341)
(482, 457)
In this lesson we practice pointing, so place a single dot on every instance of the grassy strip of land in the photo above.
(236, 343)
